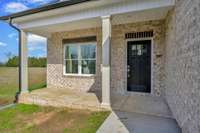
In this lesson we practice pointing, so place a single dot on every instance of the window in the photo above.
(80, 58)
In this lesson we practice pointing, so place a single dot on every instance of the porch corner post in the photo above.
(106, 45)
(23, 70)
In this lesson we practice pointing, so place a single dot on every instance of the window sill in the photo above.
(79, 75)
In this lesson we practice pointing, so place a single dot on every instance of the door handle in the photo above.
(128, 68)
(128, 71)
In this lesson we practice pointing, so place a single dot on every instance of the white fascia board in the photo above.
(64, 10)
(111, 9)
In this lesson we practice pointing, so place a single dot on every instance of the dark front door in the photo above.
(139, 66)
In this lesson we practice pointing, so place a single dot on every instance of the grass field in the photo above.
(9, 82)
(22, 118)
(35, 119)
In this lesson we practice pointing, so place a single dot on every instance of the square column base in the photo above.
(106, 106)
(24, 92)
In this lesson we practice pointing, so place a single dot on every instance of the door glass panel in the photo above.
(144, 50)
(139, 49)
(134, 47)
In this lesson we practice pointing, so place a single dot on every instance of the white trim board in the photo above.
(111, 9)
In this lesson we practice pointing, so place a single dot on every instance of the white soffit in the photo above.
(65, 10)
(146, 15)
(110, 9)
(122, 11)
(76, 25)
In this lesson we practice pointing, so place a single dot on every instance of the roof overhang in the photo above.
(88, 14)
(44, 8)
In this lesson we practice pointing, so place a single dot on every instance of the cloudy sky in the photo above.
(9, 37)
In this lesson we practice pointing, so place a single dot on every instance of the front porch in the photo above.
(104, 67)
(60, 97)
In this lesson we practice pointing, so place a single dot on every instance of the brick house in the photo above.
(121, 47)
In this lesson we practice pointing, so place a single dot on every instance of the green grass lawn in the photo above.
(9, 82)
(35, 119)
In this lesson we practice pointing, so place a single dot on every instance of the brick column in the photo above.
(23, 70)
(106, 42)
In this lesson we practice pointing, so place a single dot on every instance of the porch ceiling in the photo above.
(122, 11)
(131, 17)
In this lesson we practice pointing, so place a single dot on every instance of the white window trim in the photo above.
(79, 64)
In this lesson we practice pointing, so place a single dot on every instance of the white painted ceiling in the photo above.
(131, 17)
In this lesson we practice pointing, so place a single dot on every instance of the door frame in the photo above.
(152, 65)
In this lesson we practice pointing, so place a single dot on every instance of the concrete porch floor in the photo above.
(145, 104)
(60, 97)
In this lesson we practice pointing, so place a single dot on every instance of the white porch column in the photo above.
(106, 42)
(23, 62)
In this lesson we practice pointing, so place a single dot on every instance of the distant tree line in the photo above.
(2, 64)
(32, 62)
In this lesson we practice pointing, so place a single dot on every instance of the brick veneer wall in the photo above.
(119, 58)
(55, 77)
(182, 64)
